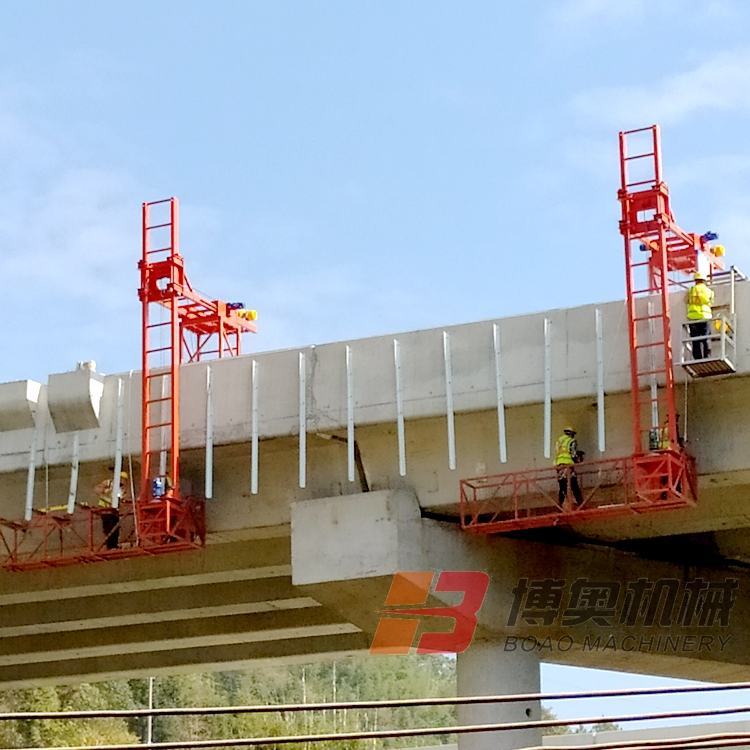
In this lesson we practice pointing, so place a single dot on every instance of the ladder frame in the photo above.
(193, 323)
(647, 222)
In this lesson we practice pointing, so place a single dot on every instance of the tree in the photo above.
(349, 679)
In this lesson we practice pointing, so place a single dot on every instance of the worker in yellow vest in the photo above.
(700, 299)
(567, 456)
(663, 435)
(110, 515)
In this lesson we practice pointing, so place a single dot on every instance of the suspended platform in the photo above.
(719, 348)
(709, 367)
(55, 538)
(501, 503)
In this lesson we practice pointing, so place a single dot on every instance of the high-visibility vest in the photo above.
(105, 500)
(699, 301)
(664, 443)
(564, 449)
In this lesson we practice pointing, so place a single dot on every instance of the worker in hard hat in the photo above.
(109, 514)
(700, 300)
(567, 456)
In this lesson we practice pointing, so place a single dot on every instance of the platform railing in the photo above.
(55, 538)
(720, 344)
(656, 481)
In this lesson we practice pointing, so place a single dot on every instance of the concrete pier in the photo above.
(487, 668)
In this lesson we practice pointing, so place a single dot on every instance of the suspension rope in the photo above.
(130, 456)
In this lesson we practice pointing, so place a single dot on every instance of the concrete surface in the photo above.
(18, 404)
(74, 399)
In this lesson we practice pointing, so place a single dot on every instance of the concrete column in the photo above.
(485, 668)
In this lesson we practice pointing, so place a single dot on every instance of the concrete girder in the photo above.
(304, 648)
(264, 553)
(224, 605)
(716, 439)
(154, 637)
(155, 605)
(249, 535)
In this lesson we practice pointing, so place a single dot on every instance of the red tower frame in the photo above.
(179, 325)
(659, 474)
(648, 226)
(658, 256)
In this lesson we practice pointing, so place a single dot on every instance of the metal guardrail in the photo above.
(655, 481)
(716, 740)
(463, 700)
(432, 731)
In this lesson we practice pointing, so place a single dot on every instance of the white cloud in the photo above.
(719, 84)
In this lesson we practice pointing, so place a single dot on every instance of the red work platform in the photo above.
(55, 538)
(661, 480)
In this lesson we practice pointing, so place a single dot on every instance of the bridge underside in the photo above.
(229, 605)
(268, 595)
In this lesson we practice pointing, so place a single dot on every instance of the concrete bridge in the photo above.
(332, 467)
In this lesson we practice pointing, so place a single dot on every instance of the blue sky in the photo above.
(558, 678)
(349, 168)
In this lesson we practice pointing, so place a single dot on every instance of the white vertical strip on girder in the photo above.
(399, 410)
(29, 509)
(600, 380)
(302, 421)
(449, 414)
(349, 415)
(254, 430)
(73, 489)
(501, 437)
(119, 429)
(164, 410)
(547, 388)
(209, 491)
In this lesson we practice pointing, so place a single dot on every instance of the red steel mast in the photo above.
(179, 325)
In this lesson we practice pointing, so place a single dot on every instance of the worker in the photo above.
(109, 514)
(663, 443)
(566, 456)
(700, 299)
(663, 434)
